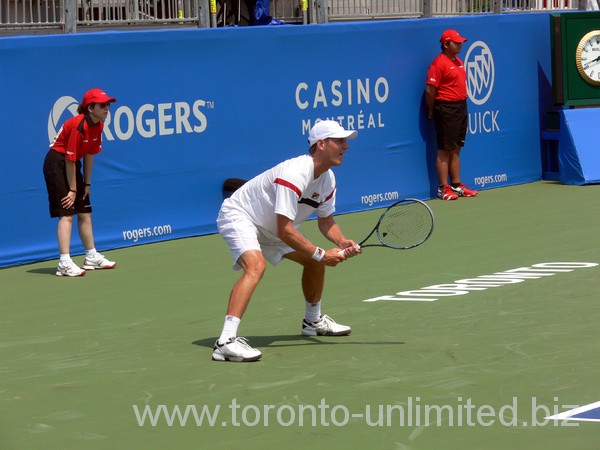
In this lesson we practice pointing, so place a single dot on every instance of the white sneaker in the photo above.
(325, 326)
(98, 261)
(69, 269)
(236, 349)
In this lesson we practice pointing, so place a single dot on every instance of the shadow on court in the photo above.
(43, 271)
(293, 340)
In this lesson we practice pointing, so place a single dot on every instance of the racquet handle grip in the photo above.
(341, 252)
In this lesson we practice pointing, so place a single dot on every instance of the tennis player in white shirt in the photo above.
(260, 221)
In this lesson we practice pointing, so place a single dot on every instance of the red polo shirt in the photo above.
(449, 77)
(78, 136)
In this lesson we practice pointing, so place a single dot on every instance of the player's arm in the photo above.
(70, 173)
(88, 164)
(430, 93)
(332, 231)
(74, 142)
(292, 237)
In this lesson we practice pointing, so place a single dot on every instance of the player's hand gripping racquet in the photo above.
(403, 225)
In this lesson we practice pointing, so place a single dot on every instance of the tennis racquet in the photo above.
(403, 225)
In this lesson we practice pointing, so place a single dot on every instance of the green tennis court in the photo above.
(86, 363)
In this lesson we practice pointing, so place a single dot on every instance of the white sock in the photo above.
(230, 328)
(312, 312)
(91, 252)
(65, 257)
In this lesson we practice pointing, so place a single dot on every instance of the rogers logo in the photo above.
(147, 121)
(55, 119)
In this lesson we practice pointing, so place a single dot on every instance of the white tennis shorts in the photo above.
(242, 235)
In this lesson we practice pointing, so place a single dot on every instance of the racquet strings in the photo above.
(405, 225)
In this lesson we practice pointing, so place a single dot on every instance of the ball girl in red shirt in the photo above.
(68, 174)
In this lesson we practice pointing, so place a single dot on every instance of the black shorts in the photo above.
(58, 186)
(451, 120)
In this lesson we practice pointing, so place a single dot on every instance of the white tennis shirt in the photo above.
(289, 189)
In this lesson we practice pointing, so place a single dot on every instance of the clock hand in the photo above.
(592, 62)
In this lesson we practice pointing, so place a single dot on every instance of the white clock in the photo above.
(587, 57)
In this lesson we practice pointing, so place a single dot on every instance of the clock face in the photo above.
(587, 57)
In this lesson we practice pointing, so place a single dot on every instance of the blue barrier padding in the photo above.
(197, 106)
(578, 150)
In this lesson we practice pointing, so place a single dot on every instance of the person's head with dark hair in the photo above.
(94, 102)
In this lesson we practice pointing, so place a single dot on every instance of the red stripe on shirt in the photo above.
(288, 185)
(330, 195)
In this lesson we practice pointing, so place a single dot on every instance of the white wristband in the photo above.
(318, 254)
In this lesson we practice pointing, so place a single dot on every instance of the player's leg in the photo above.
(65, 226)
(241, 235)
(443, 120)
(457, 186)
(443, 164)
(454, 166)
(230, 347)
(58, 188)
(457, 121)
(93, 259)
(253, 265)
(313, 276)
(66, 266)
(313, 281)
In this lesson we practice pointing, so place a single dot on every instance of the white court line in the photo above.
(568, 415)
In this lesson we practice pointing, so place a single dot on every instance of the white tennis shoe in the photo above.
(98, 261)
(69, 269)
(325, 326)
(236, 349)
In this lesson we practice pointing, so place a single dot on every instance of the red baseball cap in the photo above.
(96, 95)
(451, 35)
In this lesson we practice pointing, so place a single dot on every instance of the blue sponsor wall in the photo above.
(197, 106)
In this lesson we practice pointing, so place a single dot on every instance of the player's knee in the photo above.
(66, 219)
(256, 269)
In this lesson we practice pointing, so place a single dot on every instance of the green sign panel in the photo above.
(576, 58)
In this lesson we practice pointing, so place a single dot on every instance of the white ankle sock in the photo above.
(65, 257)
(91, 252)
(312, 312)
(230, 328)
